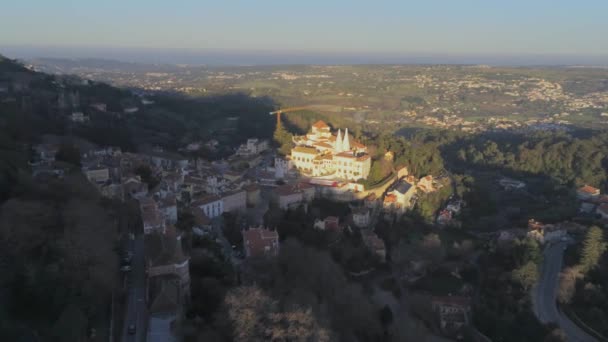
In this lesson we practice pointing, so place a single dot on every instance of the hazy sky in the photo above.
(425, 26)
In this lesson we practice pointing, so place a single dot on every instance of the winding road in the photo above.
(545, 292)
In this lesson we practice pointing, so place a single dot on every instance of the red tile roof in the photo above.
(205, 200)
(589, 189)
(304, 149)
(356, 144)
(251, 187)
(390, 198)
(320, 124)
(331, 222)
(323, 144)
(258, 240)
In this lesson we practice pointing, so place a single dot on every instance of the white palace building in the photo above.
(322, 154)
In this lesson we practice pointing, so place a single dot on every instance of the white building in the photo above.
(79, 117)
(320, 153)
(168, 208)
(212, 205)
(235, 201)
(281, 167)
(252, 146)
(291, 195)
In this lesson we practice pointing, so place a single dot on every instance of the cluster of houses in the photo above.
(206, 189)
(401, 195)
(541, 232)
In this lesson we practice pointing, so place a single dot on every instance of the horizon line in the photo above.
(266, 57)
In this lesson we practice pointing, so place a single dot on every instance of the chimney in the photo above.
(338, 145)
(346, 144)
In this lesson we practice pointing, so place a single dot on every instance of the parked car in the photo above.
(126, 268)
(131, 329)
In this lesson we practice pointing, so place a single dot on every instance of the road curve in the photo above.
(544, 295)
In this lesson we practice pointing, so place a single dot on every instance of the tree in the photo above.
(528, 250)
(526, 275)
(386, 315)
(68, 153)
(255, 316)
(145, 172)
(567, 284)
(593, 248)
(283, 138)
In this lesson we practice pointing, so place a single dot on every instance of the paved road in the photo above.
(136, 298)
(544, 295)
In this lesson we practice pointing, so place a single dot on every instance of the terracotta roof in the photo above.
(289, 189)
(304, 186)
(251, 187)
(390, 198)
(346, 155)
(147, 202)
(356, 144)
(285, 190)
(323, 144)
(168, 201)
(304, 149)
(257, 239)
(320, 124)
(589, 189)
(332, 219)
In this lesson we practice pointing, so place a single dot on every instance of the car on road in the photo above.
(131, 329)
(126, 268)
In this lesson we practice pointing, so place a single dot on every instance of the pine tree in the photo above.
(593, 248)
(283, 139)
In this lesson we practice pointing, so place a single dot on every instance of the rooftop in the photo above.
(403, 187)
(205, 200)
(304, 149)
(320, 124)
(589, 189)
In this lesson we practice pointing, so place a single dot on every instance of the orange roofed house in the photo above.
(320, 153)
(587, 192)
(260, 242)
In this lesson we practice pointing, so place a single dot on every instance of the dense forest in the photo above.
(58, 258)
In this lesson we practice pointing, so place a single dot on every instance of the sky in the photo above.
(313, 27)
